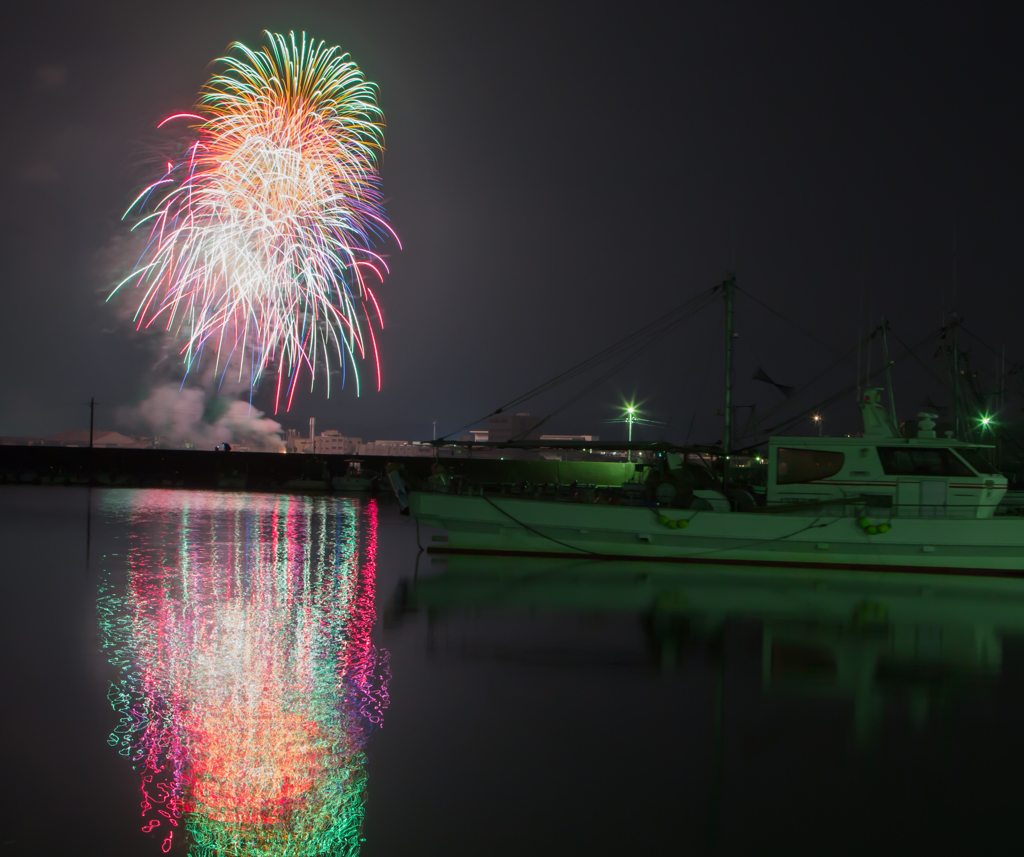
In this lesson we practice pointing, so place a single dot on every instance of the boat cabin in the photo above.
(884, 472)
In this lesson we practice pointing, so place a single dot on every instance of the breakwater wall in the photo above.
(267, 471)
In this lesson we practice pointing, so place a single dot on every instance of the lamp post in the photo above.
(817, 422)
(630, 416)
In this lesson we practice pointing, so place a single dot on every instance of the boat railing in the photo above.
(877, 506)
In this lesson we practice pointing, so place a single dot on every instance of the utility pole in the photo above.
(728, 286)
(630, 416)
(92, 414)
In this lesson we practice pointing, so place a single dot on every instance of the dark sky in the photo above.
(559, 175)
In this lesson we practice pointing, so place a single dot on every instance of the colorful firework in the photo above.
(248, 684)
(261, 233)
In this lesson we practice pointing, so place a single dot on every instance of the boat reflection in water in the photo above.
(860, 636)
(248, 684)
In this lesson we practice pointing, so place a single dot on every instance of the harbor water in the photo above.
(203, 672)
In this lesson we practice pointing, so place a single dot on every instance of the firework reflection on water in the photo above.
(248, 684)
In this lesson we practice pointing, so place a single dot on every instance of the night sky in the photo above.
(559, 175)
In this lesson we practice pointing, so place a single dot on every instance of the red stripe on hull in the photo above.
(818, 566)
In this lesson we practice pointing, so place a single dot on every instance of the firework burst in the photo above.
(261, 233)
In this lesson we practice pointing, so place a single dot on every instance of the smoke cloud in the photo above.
(212, 408)
(192, 416)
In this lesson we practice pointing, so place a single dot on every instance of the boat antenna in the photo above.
(728, 287)
(956, 376)
(859, 345)
(870, 346)
(888, 372)
(1002, 378)
(860, 315)
(956, 347)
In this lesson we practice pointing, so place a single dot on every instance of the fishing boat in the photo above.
(356, 478)
(881, 501)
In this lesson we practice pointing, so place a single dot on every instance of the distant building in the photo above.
(13, 440)
(333, 442)
(475, 436)
(501, 428)
(571, 438)
(101, 439)
(294, 442)
(330, 442)
(396, 448)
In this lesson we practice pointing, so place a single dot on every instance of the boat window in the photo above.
(910, 461)
(977, 459)
(806, 465)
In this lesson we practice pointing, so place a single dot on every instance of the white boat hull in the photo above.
(504, 525)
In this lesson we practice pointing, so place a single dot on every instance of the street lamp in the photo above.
(817, 421)
(630, 416)
(633, 414)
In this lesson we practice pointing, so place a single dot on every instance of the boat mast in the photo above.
(728, 287)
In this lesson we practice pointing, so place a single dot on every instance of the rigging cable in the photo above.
(638, 341)
(801, 390)
(789, 321)
(846, 391)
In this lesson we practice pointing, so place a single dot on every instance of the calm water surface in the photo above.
(204, 673)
